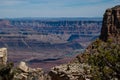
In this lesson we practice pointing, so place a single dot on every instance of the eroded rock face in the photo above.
(71, 71)
(26, 73)
(111, 23)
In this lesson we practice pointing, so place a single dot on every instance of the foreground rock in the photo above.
(22, 66)
(23, 72)
(72, 71)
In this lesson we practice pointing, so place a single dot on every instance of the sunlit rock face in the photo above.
(3, 56)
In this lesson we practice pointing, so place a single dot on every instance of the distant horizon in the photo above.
(47, 17)
(54, 8)
(57, 18)
(53, 17)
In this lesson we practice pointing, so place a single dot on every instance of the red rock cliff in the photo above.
(111, 23)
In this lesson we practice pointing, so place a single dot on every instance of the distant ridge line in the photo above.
(59, 18)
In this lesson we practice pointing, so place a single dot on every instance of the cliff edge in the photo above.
(111, 24)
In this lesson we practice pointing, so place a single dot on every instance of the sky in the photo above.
(54, 8)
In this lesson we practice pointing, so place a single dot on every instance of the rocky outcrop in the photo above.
(110, 31)
(23, 72)
(71, 71)
(22, 66)
(111, 23)
(3, 56)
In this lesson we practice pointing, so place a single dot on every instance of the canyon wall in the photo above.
(111, 23)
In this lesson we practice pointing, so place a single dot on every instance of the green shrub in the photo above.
(105, 61)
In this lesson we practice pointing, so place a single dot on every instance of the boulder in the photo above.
(22, 66)
(23, 72)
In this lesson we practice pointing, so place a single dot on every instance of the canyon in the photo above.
(47, 42)
(99, 61)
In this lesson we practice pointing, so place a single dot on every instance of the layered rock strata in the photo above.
(111, 23)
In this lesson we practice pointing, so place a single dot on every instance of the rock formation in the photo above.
(3, 56)
(23, 66)
(110, 31)
(111, 23)
(71, 71)
(23, 72)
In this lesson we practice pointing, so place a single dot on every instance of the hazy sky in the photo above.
(55, 8)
